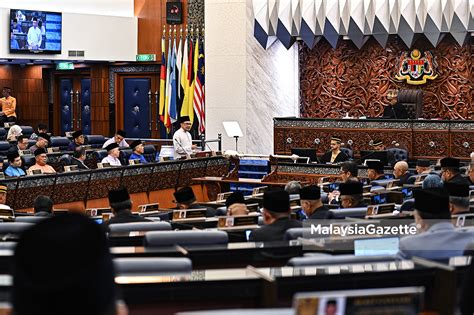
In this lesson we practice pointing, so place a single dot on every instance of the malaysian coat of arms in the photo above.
(416, 68)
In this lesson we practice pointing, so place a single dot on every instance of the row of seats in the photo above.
(395, 154)
(26, 130)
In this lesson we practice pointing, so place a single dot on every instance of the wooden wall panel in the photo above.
(100, 99)
(347, 80)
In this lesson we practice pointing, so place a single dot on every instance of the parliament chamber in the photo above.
(237, 157)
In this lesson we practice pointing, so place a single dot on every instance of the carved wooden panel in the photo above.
(462, 143)
(349, 80)
(431, 144)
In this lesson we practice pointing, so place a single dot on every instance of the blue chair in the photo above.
(27, 130)
(149, 153)
(129, 266)
(139, 227)
(60, 142)
(347, 152)
(65, 159)
(14, 227)
(98, 155)
(339, 260)
(28, 160)
(3, 134)
(95, 141)
(4, 147)
(170, 238)
(397, 154)
(125, 155)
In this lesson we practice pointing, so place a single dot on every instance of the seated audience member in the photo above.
(42, 128)
(121, 205)
(42, 141)
(20, 145)
(14, 169)
(113, 155)
(138, 150)
(3, 194)
(351, 195)
(450, 172)
(349, 171)
(118, 138)
(293, 187)
(423, 167)
(375, 170)
(470, 173)
(13, 133)
(235, 204)
(185, 199)
(377, 145)
(310, 200)
(458, 198)
(394, 110)
(41, 162)
(437, 238)
(432, 181)
(43, 206)
(276, 217)
(400, 172)
(63, 265)
(78, 158)
(77, 140)
(335, 155)
(8, 105)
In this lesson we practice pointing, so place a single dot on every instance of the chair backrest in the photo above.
(397, 154)
(129, 266)
(139, 226)
(338, 259)
(31, 143)
(28, 160)
(347, 152)
(408, 205)
(4, 146)
(169, 238)
(347, 212)
(413, 102)
(30, 219)
(27, 130)
(149, 153)
(3, 134)
(65, 159)
(61, 142)
(295, 233)
(95, 141)
(98, 155)
(14, 227)
(125, 155)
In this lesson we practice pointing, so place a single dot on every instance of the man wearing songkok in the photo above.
(138, 150)
(42, 142)
(400, 172)
(458, 198)
(14, 169)
(423, 167)
(113, 155)
(335, 155)
(437, 238)
(41, 162)
(276, 216)
(351, 195)
(182, 140)
(118, 138)
(377, 145)
(62, 265)
(450, 172)
(77, 140)
(121, 205)
(310, 200)
(375, 170)
(185, 199)
(235, 204)
(3, 194)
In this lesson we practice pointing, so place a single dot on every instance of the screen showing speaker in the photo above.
(35, 31)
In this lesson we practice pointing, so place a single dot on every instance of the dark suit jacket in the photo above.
(273, 232)
(319, 213)
(79, 164)
(403, 179)
(341, 157)
(460, 180)
(397, 111)
(210, 212)
(126, 216)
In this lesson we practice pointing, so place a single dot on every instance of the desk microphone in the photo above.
(187, 154)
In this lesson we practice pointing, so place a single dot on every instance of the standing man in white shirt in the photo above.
(182, 140)
(118, 138)
(113, 155)
(34, 36)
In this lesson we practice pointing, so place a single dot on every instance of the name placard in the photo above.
(189, 214)
(223, 196)
(24, 152)
(148, 207)
(380, 209)
(103, 165)
(134, 162)
(258, 190)
(93, 212)
(53, 150)
(34, 172)
(236, 221)
(71, 168)
(7, 214)
(253, 207)
(60, 211)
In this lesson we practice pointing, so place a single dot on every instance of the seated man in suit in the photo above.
(43, 206)
(77, 140)
(310, 200)
(118, 138)
(14, 169)
(351, 194)
(41, 128)
(185, 199)
(375, 170)
(349, 171)
(113, 155)
(41, 162)
(276, 216)
(138, 150)
(121, 205)
(458, 198)
(394, 110)
(235, 204)
(335, 155)
(42, 142)
(400, 172)
(20, 145)
(437, 237)
(78, 158)
(450, 172)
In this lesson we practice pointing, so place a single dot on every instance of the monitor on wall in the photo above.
(37, 32)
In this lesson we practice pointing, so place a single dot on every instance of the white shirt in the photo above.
(112, 160)
(122, 144)
(34, 37)
(182, 142)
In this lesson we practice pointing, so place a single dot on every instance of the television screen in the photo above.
(35, 32)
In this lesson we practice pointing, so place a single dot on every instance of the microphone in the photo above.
(187, 154)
